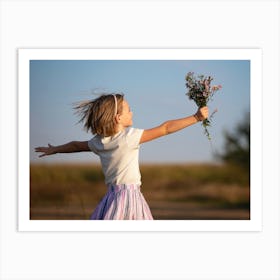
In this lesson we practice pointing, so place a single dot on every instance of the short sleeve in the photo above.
(133, 137)
(91, 145)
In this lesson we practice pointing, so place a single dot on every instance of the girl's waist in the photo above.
(119, 187)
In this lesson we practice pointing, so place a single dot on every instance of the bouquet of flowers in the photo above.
(200, 90)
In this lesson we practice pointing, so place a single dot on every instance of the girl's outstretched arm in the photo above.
(71, 147)
(172, 126)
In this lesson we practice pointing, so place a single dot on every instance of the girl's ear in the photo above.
(118, 118)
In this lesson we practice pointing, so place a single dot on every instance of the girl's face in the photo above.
(125, 118)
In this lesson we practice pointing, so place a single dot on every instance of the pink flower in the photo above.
(206, 84)
(216, 87)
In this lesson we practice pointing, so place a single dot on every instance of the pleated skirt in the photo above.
(123, 202)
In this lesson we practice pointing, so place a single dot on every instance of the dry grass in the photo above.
(71, 191)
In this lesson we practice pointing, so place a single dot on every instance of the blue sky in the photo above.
(155, 90)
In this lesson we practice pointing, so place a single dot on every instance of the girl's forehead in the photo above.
(125, 103)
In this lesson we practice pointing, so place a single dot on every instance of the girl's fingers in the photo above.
(203, 113)
(41, 150)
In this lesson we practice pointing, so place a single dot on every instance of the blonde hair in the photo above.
(98, 115)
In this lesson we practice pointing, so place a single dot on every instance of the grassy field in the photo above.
(181, 192)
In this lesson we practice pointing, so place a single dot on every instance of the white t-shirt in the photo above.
(119, 155)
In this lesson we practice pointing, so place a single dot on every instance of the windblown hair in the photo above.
(98, 115)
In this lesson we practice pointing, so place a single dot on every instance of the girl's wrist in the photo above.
(196, 117)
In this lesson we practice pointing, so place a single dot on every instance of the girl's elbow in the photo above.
(75, 146)
(165, 129)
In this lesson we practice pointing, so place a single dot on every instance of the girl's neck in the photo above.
(119, 128)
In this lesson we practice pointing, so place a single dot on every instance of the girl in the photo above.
(117, 144)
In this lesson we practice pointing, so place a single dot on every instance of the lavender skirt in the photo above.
(122, 202)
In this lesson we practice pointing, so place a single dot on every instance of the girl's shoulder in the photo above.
(133, 130)
(133, 136)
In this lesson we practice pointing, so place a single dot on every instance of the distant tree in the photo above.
(237, 144)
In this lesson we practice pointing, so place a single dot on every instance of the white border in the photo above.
(254, 55)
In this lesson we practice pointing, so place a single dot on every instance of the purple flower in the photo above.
(200, 90)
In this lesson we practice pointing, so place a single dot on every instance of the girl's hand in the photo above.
(202, 113)
(50, 150)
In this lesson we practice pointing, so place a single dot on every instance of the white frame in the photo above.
(255, 57)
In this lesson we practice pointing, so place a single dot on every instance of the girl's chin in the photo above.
(130, 124)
